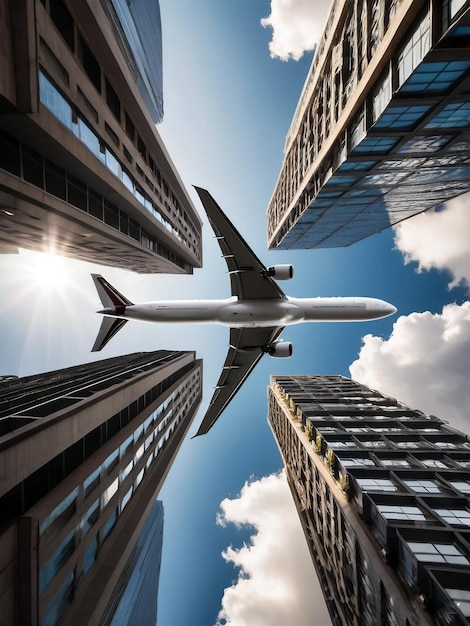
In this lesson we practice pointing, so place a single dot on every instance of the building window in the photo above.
(53, 565)
(376, 484)
(113, 101)
(77, 193)
(434, 463)
(337, 445)
(382, 96)
(397, 512)
(111, 215)
(453, 115)
(454, 517)
(33, 168)
(438, 553)
(61, 513)
(130, 128)
(108, 525)
(140, 475)
(423, 486)
(126, 499)
(126, 471)
(9, 154)
(109, 493)
(111, 134)
(90, 109)
(376, 145)
(356, 462)
(415, 49)
(63, 21)
(462, 485)
(111, 462)
(374, 443)
(92, 481)
(126, 445)
(61, 600)
(89, 63)
(55, 181)
(53, 100)
(455, 6)
(425, 143)
(90, 555)
(90, 517)
(402, 117)
(461, 597)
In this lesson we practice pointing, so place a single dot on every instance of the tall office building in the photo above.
(383, 495)
(83, 454)
(382, 127)
(83, 170)
(139, 599)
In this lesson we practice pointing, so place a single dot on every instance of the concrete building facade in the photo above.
(83, 170)
(383, 496)
(83, 453)
(382, 127)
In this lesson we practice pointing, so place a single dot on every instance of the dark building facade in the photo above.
(383, 495)
(83, 453)
(83, 170)
(382, 127)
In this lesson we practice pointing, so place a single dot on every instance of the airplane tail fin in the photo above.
(109, 296)
(114, 304)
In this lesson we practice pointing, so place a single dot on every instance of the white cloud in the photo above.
(425, 363)
(439, 239)
(277, 583)
(297, 26)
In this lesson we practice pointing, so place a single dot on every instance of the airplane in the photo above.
(256, 313)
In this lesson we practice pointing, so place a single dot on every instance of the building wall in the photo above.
(383, 118)
(82, 165)
(77, 507)
(382, 492)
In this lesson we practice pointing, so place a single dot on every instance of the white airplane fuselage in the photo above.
(256, 313)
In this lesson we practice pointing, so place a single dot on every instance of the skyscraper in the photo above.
(138, 602)
(381, 130)
(83, 453)
(383, 495)
(83, 170)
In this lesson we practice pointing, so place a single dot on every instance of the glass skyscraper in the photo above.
(381, 130)
(83, 170)
(383, 495)
(83, 453)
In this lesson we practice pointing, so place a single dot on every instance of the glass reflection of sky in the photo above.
(388, 175)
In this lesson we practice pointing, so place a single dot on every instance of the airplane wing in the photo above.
(244, 352)
(247, 283)
(244, 267)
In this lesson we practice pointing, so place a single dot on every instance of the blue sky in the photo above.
(228, 106)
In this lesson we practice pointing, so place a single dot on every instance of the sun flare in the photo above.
(48, 271)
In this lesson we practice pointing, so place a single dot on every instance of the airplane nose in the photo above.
(388, 309)
(381, 308)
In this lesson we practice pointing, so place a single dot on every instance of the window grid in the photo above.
(376, 484)
(438, 553)
(401, 512)
(454, 517)
(422, 486)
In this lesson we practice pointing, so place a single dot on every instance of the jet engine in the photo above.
(280, 349)
(279, 272)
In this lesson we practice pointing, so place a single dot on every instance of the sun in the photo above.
(48, 270)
